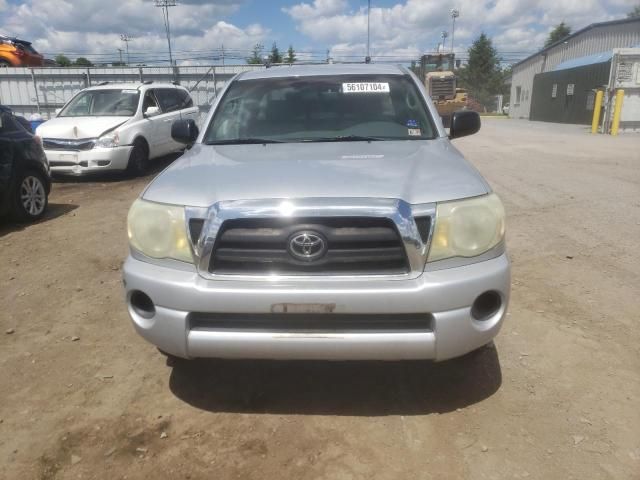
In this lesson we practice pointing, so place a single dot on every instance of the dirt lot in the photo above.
(82, 396)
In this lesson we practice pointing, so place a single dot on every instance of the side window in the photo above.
(185, 99)
(149, 100)
(9, 124)
(168, 98)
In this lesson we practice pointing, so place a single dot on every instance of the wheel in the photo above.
(138, 159)
(30, 196)
(4, 63)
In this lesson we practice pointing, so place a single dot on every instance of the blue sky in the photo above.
(401, 29)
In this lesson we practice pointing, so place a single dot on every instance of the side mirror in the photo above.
(151, 111)
(463, 123)
(58, 110)
(184, 131)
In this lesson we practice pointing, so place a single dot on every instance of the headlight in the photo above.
(158, 230)
(467, 228)
(109, 140)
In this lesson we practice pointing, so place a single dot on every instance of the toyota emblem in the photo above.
(307, 246)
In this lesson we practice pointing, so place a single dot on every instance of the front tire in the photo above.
(5, 63)
(30, 197)
(138, 159)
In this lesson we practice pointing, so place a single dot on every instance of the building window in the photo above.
(554, 91)
(570, 88)
(518, 93)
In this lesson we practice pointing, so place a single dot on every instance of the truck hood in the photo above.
(414, 171)
(72, 128)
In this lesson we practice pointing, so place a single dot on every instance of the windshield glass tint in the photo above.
(322, 108)
(94, 103)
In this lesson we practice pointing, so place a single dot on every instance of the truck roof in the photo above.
(283, 71)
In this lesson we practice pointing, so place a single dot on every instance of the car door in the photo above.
(170, 106)
(151, 126)
(187, 108)
(6, 157)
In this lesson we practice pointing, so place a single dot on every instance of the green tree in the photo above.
(83, 62)
(256, 55)
(635, 13)
(63, 60)
(560, 31)
(291, 55)
(275, 56)
(483, 77)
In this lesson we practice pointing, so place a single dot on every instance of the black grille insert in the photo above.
(69, 145)
(355, 245)
(298, 322)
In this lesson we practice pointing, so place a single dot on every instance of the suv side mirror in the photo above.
(184, 131)
(463, 123)
(151, 111)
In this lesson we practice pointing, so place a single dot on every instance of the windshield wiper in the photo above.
(344, 138)
(243, 141)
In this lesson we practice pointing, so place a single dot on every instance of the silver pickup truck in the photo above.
(321, 213)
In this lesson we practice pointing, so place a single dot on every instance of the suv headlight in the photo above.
(109, 140)
(467, 228)
(158, 230)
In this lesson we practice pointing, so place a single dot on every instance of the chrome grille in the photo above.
(354, 245)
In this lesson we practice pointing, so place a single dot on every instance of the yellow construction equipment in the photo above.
(441, 83)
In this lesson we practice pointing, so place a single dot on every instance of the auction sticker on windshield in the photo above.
(365, 87)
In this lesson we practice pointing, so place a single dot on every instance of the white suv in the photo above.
(115, 127)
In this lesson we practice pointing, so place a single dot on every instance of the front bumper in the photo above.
(446, 296)
(86, 161)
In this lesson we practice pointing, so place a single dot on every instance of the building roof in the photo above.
(584, 61)
(282, 71)
(579, 32)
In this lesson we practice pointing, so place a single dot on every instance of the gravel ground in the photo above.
(82, 396)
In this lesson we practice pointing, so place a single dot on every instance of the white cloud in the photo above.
(94, 26)
(413, 26)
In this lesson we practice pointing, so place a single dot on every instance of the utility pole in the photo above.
(454, 14)
(164, 5)
(120, 52)
(126, 39)
(367, 59)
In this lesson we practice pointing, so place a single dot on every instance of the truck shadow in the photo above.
(337, 388)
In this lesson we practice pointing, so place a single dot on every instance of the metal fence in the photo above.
(42, 90)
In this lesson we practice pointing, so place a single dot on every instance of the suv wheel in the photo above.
(138, 159)
(30, 196)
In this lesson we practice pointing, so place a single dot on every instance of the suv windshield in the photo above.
(98, 103)
(321, 109)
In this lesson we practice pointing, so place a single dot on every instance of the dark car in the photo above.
(24, 171)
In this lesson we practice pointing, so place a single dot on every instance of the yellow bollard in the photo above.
(597, 107)
(617, 111)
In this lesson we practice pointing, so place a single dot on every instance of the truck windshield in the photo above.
(321, 109)
(98, 103)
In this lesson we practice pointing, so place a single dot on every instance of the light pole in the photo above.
(165, 4)
(444, 36)
(367, 59)
(126, 39)
(120, 52)
(454, 14)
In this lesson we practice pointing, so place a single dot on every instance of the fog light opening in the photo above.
(142, 304)
(486, 305)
